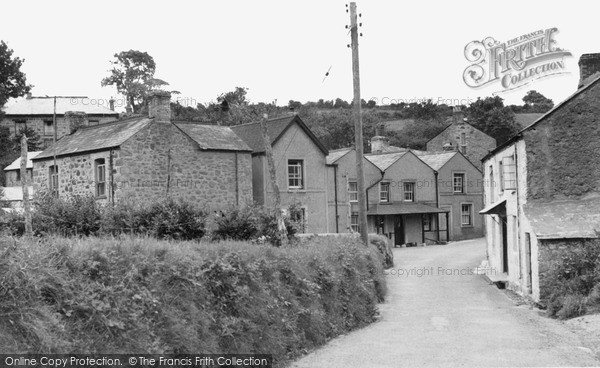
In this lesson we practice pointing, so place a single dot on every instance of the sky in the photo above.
(281, 50)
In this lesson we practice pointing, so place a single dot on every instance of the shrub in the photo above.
(249, 223)
(75, 215)
(382, 244)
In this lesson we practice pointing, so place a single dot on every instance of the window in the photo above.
(20, 125)
(53, 179)
(353, 191)
(100, 177)
(48, 127)
(354, 222)
(463, 143)
(295, 174)
(492, 196)
(384, 192)
(18, 175)
(466, 214)
(93, 122)
(409, 192)
(298, 215)
(458, 182)
(427, 221)
(508, 173)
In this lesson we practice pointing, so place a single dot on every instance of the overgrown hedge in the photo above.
(146, 296)
(572, 283)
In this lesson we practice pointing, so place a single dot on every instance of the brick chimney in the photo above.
(75, 120)
(589, 65)
(159, 105)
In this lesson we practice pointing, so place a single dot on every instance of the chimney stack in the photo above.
(159, 105)
(111, 104)
(379, 144)
(75, 120)
(589, 65)
(28, 95)
(457, 115)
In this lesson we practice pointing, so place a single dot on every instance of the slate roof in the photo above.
(436, 160)
(16, 164)
(45, 106)
(561, 219)
(384, 160)
(97, 137)
(335, 155)
(214, 137)
(251, 133)
(402, 208)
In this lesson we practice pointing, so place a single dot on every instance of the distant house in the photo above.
(13, 192)
(463, 137)
(459, 190)
(542, 191)
(146, 158)
(301, 168)
(38, 113)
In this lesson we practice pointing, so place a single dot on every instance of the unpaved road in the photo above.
(441, 320)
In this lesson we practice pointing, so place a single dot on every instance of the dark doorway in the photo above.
(504, 245)
(399, 230)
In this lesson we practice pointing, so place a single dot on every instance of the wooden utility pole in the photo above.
(24, 182)
(281, 230)
(358, 133)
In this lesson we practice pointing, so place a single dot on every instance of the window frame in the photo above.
(427, 224)
(51, 133)
(405, 192)
(354, 226)
(100, 163)
(53, 179)
(298, 176)
(463, 177)
(387, 185)
(470, 214)
(352, 193)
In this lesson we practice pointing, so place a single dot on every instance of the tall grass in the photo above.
(141, 295)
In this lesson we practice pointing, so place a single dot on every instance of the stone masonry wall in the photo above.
(563, 150)
(160, 160)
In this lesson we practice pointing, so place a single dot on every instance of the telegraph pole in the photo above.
(25, 186)
(358, 130)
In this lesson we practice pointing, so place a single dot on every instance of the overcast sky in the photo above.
(281, 50)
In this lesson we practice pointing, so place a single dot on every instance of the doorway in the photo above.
(398, 230)
(504, 245)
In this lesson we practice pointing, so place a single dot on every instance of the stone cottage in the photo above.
(463, 137)
(38, 114)
(542, 190)
(13, 192)
(301, 168)
(143, 159)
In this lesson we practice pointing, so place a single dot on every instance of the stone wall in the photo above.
(479, 144)
(161, 161)
(563, 150)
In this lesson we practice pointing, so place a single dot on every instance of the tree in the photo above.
(536, 102)
(132, 74)
(494, 119)
(12, 80)
(7, 152)
(34, 141)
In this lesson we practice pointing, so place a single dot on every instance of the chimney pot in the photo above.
(159, 105)
(589, 65)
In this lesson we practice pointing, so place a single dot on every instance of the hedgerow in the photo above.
(141, 295)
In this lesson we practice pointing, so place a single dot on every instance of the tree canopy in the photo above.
(132, 74)
(12, 80)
